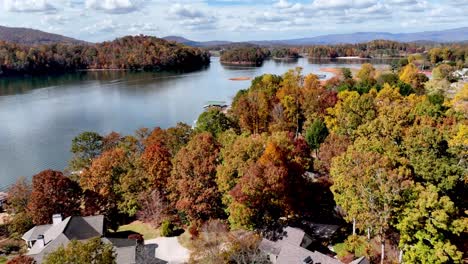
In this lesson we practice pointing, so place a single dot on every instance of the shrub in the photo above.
(21, 260)
(19, 224)
(137, 237)
(10, 246)
(167, 228)
(357, 245)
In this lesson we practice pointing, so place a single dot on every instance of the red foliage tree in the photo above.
(53, 193)
(193, 180)
(156, 161)
(21, 260)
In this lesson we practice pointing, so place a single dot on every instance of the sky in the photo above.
(234, 20)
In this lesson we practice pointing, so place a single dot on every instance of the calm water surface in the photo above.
(39, 116)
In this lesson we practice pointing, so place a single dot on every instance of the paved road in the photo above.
(170, 250)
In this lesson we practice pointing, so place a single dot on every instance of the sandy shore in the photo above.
(240, 79)
(335, 71)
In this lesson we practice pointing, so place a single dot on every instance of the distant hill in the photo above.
(450, 35)
(29, 36)
(193, 43)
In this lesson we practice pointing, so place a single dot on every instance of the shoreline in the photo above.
(334, 71)
(241, 78)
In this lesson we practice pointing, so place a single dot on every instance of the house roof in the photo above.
(293, 236)
(291, 254)
(71, 228)
(289, 250)
(32, 234)
(84, 228)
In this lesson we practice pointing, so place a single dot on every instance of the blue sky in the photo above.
(236, 20)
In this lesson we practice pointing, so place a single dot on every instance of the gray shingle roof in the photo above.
(291, 254)
(293, 236)
(289, 250)
(32, 234)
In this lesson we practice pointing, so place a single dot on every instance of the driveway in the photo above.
(170, 250)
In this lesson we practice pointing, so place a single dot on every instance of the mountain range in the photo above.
(32, 36)
(450, 35)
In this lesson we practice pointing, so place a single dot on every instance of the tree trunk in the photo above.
(382, 254)
(354, 226)
(400, 256)
(368, 233)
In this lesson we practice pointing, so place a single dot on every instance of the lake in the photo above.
(39, 116)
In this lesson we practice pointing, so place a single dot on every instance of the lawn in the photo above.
(146, 230)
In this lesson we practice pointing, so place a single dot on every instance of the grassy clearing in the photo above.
(3, 260)
(146, 230)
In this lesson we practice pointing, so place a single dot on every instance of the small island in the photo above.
(249, 56)
(285, 54)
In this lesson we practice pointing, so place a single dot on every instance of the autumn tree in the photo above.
(216, 244)
(367, 74)
(156, 162)
(85, 147)
(290, 98)
(154, 208)
(316, 134)
(177, 137)
(214, 121)
(113, 177)
(410, 75)
(193, 179)
(368, 185)
(351, 111)
(252, 111)
(53, 193)
(273, 186)
(19, 195)
(315, 99)
(236, 157)
(92, 251)
(427, 225)
(333, 146)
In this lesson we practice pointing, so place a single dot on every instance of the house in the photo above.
(292, 249)
(44, 239)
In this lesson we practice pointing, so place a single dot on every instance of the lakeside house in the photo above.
(291, 248)
(44, 239)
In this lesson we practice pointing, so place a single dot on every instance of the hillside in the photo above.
(131, 52)
(27, 36)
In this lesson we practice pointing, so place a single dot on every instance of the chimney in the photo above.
(56, 219)
(40, 241)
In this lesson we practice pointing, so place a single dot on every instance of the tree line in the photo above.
(131, 52)
(376, 150)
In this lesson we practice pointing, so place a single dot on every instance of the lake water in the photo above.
(39, 116)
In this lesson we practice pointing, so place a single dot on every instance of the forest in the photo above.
(131, 52)
(381, 153)
(245, 55)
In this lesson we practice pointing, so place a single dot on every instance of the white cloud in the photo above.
(28, 6)
(342, 4)
(192, 18)
(114, 6)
